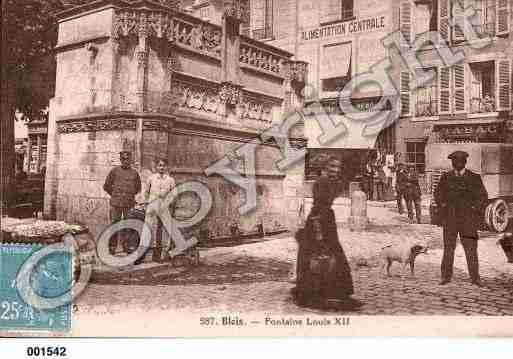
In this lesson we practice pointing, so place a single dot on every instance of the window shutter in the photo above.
(503, 81)
(444, 86)
(443, 19)
(502, 19)
(406, 21)
(331, 10)
(460, 103)
(405, 94)
(458, 10)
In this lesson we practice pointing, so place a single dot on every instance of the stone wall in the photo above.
(130, 85)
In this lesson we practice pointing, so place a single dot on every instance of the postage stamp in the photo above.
(48, 277)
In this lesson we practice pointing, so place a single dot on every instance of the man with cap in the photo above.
(461, 197)
(122, 184)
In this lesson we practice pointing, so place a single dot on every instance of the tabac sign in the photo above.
(345, 28)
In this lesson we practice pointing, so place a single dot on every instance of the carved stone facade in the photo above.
(261, 59)
(254, 108)
(297, 71)
(230, 93)
(141, 23)
(202, 36)
(109, 124)
(238, 10)
(172, 93)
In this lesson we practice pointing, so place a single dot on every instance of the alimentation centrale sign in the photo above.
(345, 28)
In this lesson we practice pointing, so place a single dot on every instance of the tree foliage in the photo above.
(29, 34)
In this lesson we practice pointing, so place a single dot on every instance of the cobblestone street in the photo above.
(257, 278)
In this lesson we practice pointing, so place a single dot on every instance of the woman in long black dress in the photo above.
(323, 273)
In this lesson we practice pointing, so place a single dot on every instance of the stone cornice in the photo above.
(99, 5)
(75, 44)
(175, 124)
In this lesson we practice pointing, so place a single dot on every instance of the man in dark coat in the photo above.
(461, 198)
(122, 184)
(412, 193)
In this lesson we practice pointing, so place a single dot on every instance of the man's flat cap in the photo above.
(125, 153)
(462, 155)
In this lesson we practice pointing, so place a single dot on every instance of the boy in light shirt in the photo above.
(158, 186)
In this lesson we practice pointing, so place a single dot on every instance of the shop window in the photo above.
(262, 19)
(482, 87)
(416, 155)
(426, 103)
(336, 10)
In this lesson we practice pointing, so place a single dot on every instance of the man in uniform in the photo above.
(461, 198)
(122, 184)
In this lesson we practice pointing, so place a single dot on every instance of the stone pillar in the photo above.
(29, 152)
(38, 163)
(358, 218)
(296, 75)
(231, 90)
(141, 54)
(52, 157)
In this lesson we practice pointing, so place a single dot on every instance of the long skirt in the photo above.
(311, 287)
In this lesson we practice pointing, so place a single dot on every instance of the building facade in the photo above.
(469, 102)
(338, 39)
(164, 83)
(341, 39)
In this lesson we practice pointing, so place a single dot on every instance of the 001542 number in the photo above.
(46, 351)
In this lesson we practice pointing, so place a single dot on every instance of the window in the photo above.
(335, 67)
(335, 84)
(262, 19)
(426, 103)
(416, 155)
(426, 16)
(482, 87)
(484, 19)
(336, 10)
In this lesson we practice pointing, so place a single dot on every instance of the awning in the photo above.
(336, 60)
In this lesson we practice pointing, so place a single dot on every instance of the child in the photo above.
(158, 186)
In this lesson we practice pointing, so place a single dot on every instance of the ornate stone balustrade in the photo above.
(178, 28)
(297, 71)
(262, 57)
(198, 35)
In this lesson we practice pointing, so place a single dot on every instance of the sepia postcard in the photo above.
(256, 168)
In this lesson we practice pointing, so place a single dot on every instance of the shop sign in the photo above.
(345, 28)
(491, 131)
(360, 105)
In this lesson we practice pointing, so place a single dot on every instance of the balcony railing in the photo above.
(426, 108)
(482, 105)
(426, 103)
(487, 29)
